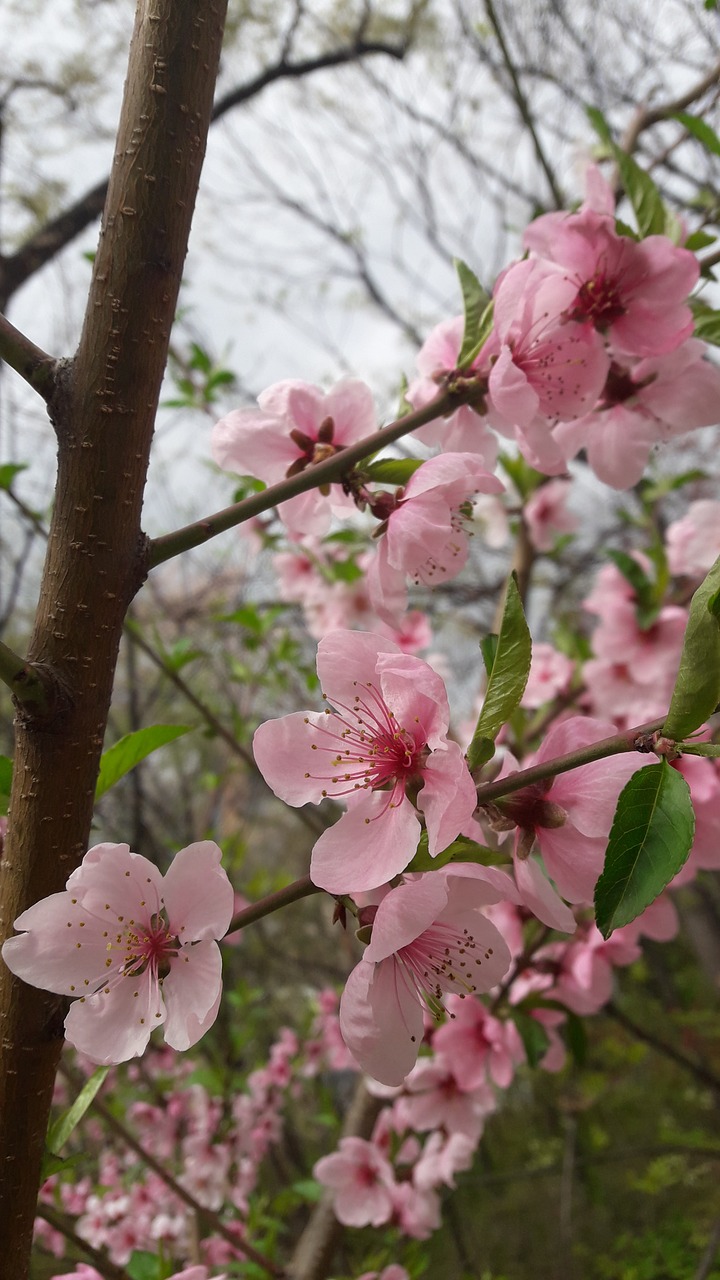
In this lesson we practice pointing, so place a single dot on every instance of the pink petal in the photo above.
(448, 797)
(346, 659)
(369, 845)
(405, 913)
(538, 894)
(192, 992)
(381, 1020)
(252, 443)
(48, 955)
(287, 754)
(113, 1027)
(198, 895)
(115, 884)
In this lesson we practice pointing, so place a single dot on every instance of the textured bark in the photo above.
(103, 410)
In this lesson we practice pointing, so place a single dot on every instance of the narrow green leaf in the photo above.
(507, 679)
(476, 305)
(639, 187)
(576, 1038)
(650, 839)
(710, 749)
(6, 768)
(130, 750)
(392, 470)
(697, 687)
(707, 325)
(60, 1131)
(699, 240)
(701, 130)
(648, 601)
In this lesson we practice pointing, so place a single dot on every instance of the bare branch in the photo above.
(35, 366)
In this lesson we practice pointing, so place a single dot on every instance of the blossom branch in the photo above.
(110, 1270)
(302, 888)
(628, 740)
(34, 365)
(328, 472)
(205, 1216)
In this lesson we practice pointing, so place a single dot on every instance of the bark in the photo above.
(103, 409)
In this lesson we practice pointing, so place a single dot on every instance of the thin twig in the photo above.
(34, 365)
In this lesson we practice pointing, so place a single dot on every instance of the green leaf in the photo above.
(507, 679)
(533, 1035)
(639, 187)
(699, 129)
(710, 749)
(576, 1038)
(461, 850)
(144, 1266)
(8, 472)
(707, 325)
(392, 470)
(697, 686)
(6, 768)
(525, 478)
(699, 240)
(130, 750)
(648, 604)
(60, 1131)
(650, 839)
(488, 649)
(477, 305)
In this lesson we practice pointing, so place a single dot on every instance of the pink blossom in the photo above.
(435, 1099)
(425, 536)
(442, 1157)
(478, 1045)
(136, 949)
(429, 937)
(633, 292)
(464, 430)
(388, 733)
(416, 1213)
(693, 543)
(550, 676)
(546, 514)
(655, 399)
(361, 1181)
(570, 815)
(548, 368)
(296, 426)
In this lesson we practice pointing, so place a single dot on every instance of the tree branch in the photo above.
(35, 366)
(294, 892)
(627, 740)
(108, 1269)
(330, 471)
(43, 246)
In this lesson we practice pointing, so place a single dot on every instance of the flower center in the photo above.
(442, 959)
(153, 947)
(371, 750)
(599, 301)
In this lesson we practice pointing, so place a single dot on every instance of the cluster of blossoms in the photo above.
(590, 349)
(215, 1155)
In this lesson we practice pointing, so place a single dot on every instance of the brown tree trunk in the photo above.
(103, 410)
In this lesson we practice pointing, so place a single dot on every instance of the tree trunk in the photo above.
(103, 410)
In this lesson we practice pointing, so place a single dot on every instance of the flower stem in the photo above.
(328, 472)
(302, 888)
(627, 740)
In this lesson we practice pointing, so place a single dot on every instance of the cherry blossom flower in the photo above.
(296, 426)
(386, 736)
(633, 292)
(654, 399)
(361, 1180)
(464, 430)
(478, 1045)
(435, 1099)
(548, 368)
(550, 675)
(393, 1272)
(425, 536)
(693, 543)
(136, 949)
(546, 514)
(429, 937)
(570, 815)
